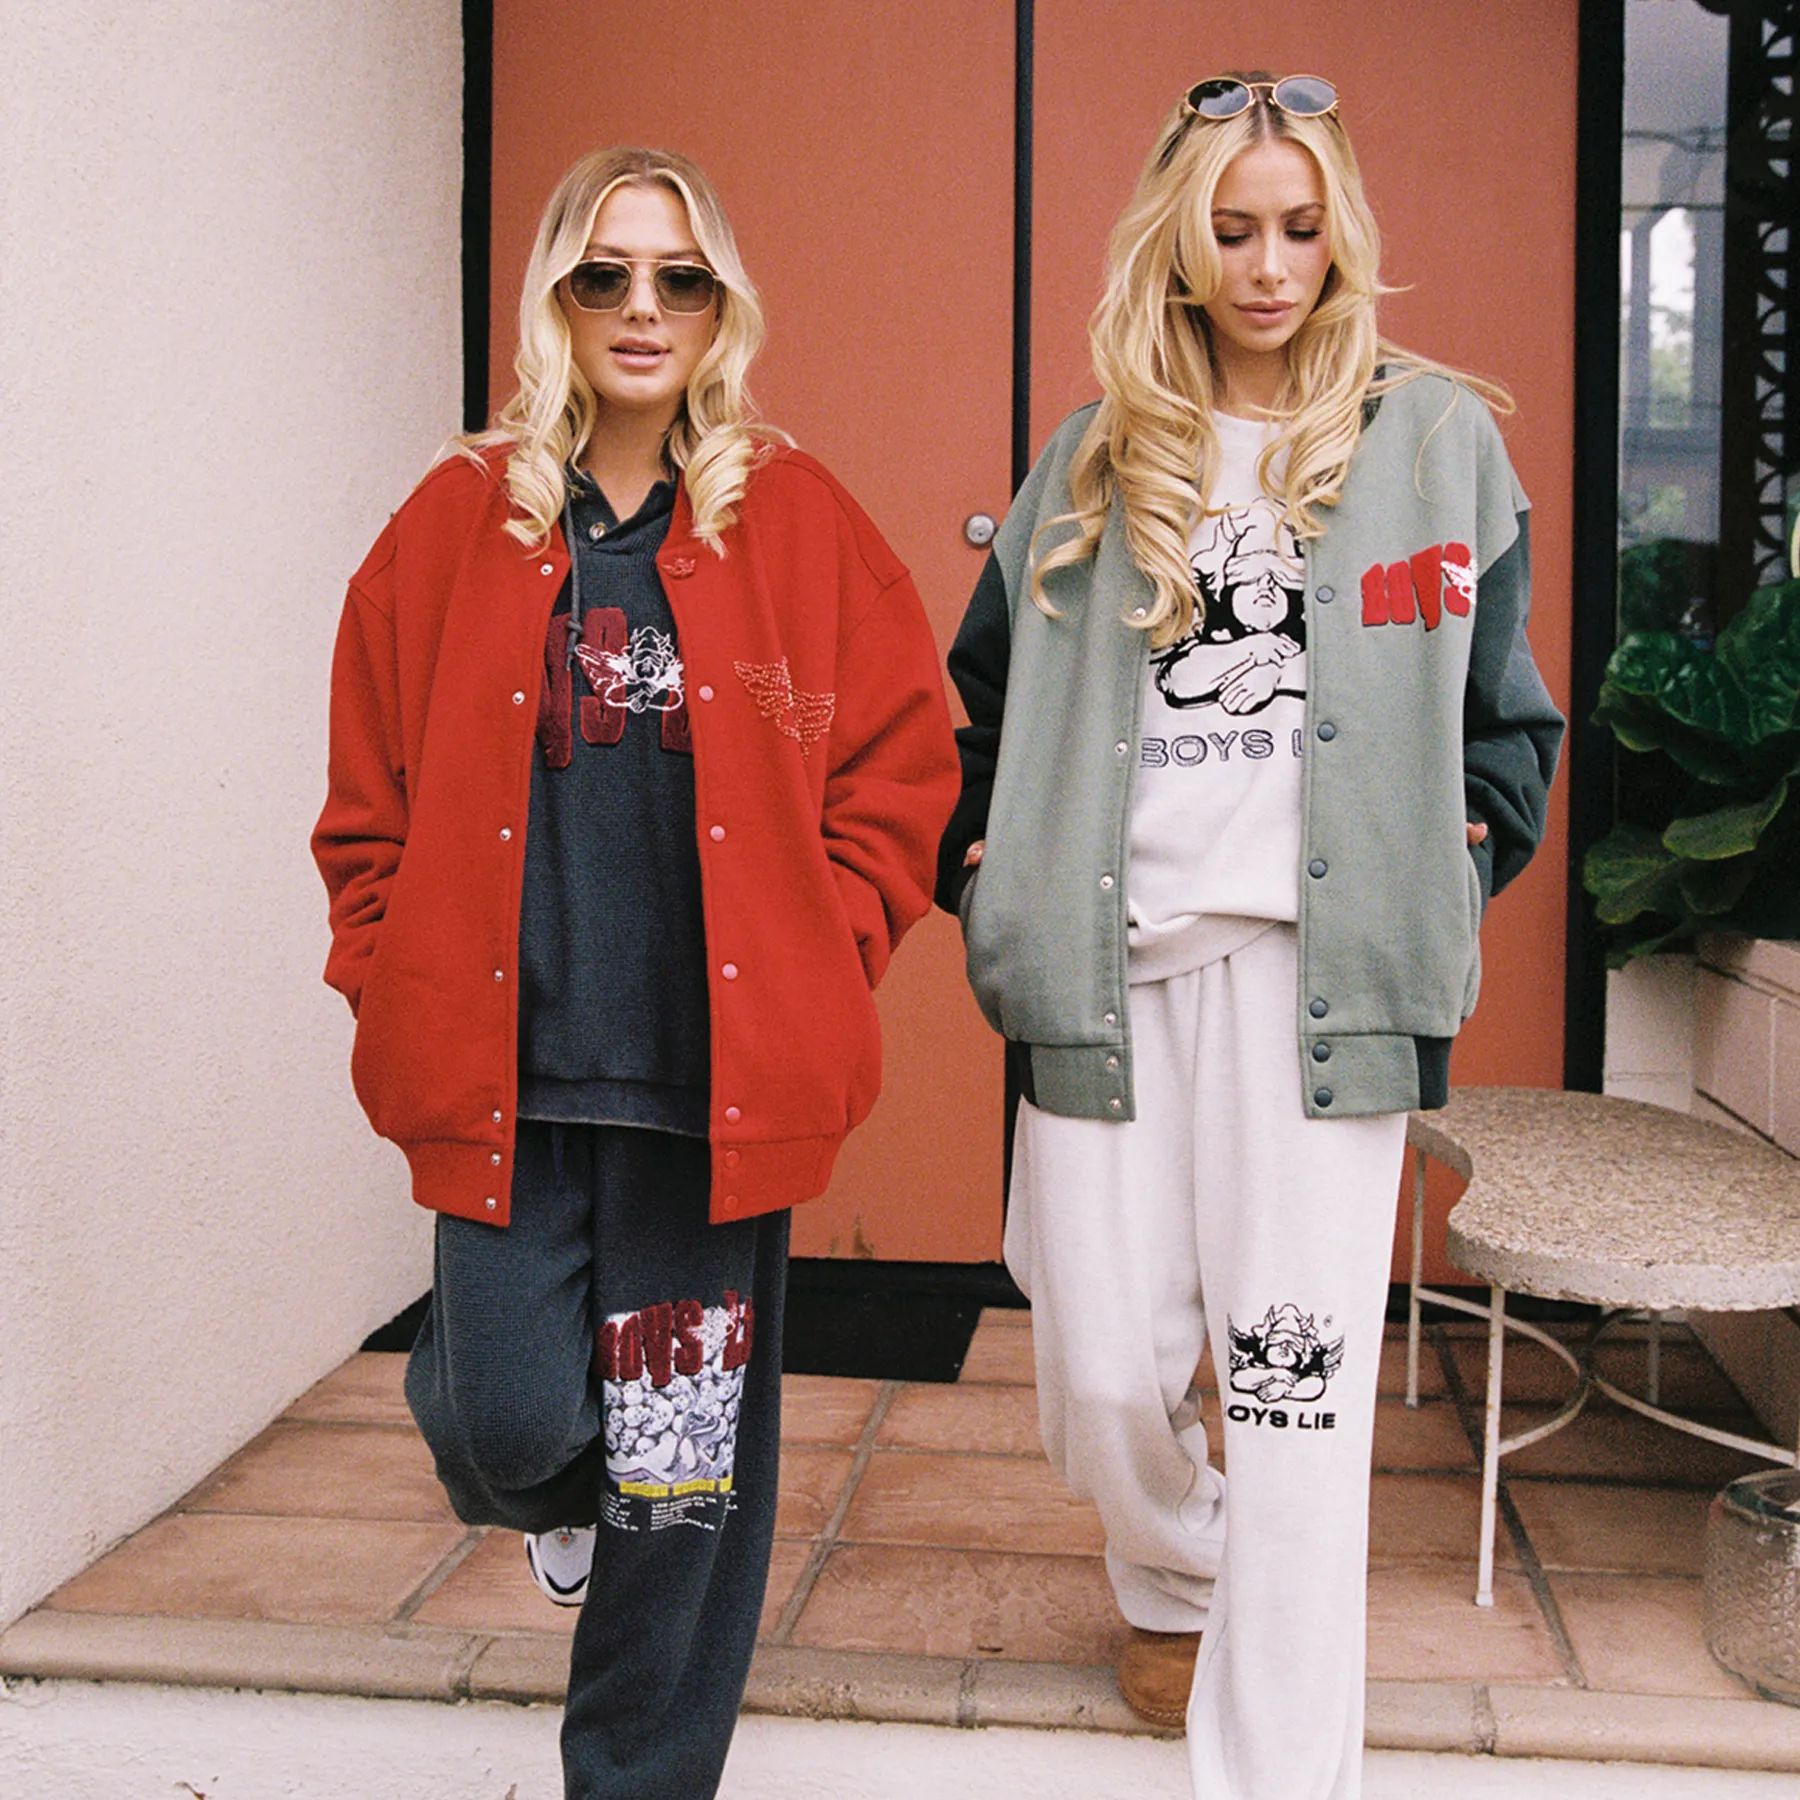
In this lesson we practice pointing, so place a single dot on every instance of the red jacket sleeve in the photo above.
(893, 776)
(362, 830)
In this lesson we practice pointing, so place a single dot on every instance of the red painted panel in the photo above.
(865, 157)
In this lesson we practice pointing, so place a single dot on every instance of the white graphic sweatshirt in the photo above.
(1215, 822)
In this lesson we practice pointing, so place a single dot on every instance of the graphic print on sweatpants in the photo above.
(671, 1390)
(1283, 1363)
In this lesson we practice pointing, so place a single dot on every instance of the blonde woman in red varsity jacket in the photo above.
(639, 760)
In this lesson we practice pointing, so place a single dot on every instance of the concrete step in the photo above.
(64, 1740)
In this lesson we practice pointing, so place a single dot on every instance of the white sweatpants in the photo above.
(1222, 1204)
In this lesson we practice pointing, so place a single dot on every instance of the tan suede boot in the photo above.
(1156, 1674)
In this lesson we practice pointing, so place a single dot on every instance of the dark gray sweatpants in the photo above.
(611, 1357)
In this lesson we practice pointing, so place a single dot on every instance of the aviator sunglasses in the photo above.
(603, 284)
(1224, 96)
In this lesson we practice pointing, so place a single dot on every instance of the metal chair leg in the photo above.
(1490, 1450)
(1412, 1291)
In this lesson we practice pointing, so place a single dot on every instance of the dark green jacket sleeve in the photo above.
(978, 663)
(1511, 731)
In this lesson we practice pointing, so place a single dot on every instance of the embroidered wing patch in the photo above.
(802, 716)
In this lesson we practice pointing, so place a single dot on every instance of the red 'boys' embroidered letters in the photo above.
(1427, 585)
(666, 1340)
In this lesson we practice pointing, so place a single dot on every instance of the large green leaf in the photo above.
(1761, 648)
(1631, 871)
(1744, 689)
(1711, 888)
(1718, 729)
(1642, 725)
(1727, 831)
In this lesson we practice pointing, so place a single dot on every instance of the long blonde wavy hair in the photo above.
(1152, 442)
(545, 426)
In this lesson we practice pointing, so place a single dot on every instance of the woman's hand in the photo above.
(1477, 834)
(972, 855)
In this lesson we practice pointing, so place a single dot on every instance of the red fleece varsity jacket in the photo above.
(824, 771)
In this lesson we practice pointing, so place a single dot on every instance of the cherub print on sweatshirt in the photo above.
(1250, 645)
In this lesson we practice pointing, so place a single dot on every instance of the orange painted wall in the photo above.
(865, 154)
(1463, 118)
(865, 157)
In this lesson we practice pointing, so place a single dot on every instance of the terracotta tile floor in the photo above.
(925, 1520)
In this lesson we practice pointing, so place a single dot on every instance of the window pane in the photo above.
(1671, 248)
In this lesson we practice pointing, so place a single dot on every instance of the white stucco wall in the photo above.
(229, 343)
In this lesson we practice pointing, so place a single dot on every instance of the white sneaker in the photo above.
(561, 1562)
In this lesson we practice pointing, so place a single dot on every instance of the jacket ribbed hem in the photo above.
(747, 1179)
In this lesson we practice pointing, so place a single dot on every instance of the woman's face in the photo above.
(1268, 218)
(638, 358)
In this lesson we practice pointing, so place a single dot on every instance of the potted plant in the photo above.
(1707, 838)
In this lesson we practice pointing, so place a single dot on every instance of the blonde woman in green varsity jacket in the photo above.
(1255, 733)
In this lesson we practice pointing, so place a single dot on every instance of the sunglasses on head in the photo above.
(1224, 96)
(604, 283)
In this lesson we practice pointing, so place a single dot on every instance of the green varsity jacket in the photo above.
(1424, 711)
